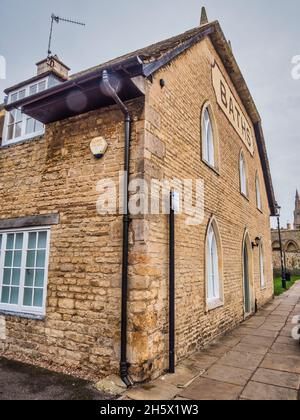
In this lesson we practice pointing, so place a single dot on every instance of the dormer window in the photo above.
(18, 126)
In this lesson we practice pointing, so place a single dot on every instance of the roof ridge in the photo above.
(145, 52)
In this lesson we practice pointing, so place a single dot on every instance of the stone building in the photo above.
(63, 289)
(290, 243)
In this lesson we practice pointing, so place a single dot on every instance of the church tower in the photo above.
(297, 212)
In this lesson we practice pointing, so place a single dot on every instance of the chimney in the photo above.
(289, 226)
(54, 65)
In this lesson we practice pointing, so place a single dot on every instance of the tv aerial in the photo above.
(58, 19)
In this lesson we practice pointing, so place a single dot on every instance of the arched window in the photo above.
(208, 141)
(258, 193)
(213, 267)
(243, 175)
(262, 267)
(292, 247)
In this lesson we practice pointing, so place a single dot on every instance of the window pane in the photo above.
(14, 97)
(10, 132)
(39, 278)
(33, 89)
(38, 298)
(22, 94)
(8, 259)
(27, 297)
(19, 116)
(19, 241)
(30, 259)
(32, 240)
(40, 260)
(29, 126)
(16, 274)
(38, 127)
(17, 258)
(10, 241)
(42, 86)
(5, 295)
(29, 277)
(18, 130)
(6, 276)
(14, 295)
(42, 240)
(12, 117)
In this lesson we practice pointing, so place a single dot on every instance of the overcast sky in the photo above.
(265, 35)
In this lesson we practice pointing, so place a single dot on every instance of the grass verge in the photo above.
(278, 284)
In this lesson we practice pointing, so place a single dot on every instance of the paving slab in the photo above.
(286, 349)
(255, 322)
(156, 391)
(205, 389)
(200, 361)
(241, 360)
(282, 363)
(218, 349)
(252, 339)
(287, 340)
(228, 374)
(261, 349)
(184, 376)
(276, 378)
(230, 340)
(257, 332)
(262, 392)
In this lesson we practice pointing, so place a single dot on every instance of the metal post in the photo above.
(172, 288)
(283, 275)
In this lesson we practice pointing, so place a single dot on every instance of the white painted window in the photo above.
(208, 144)
(243, 176)
(262, 267)
(212, 263)
(18, 126)
(258, 194)
(24, 256)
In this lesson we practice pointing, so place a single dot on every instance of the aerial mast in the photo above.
(57, 19)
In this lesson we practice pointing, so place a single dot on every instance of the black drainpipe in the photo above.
(124, 365)
(172, 286)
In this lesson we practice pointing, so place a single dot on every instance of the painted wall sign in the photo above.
(232, 109)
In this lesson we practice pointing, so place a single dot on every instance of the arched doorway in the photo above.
(247, 276)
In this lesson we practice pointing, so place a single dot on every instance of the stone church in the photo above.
(291, 243)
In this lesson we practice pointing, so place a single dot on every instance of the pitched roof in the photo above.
(148, 54)
(146, 62)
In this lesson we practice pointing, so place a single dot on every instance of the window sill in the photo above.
(7, 144)
(214, 304)
(214, 169)
(245, 197)
(33, 317)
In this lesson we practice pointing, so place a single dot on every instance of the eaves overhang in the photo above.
(82, 94)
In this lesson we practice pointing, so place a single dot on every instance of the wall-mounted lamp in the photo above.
(98, 147)
(256, 243)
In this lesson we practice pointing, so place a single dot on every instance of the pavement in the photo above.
(259, 360)
(23, 382)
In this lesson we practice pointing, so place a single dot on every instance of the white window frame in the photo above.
(216, 301)
(209, 145)
(262, 275)
(258, 193)
(24, 136)
(243, 176)
(20, 308)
